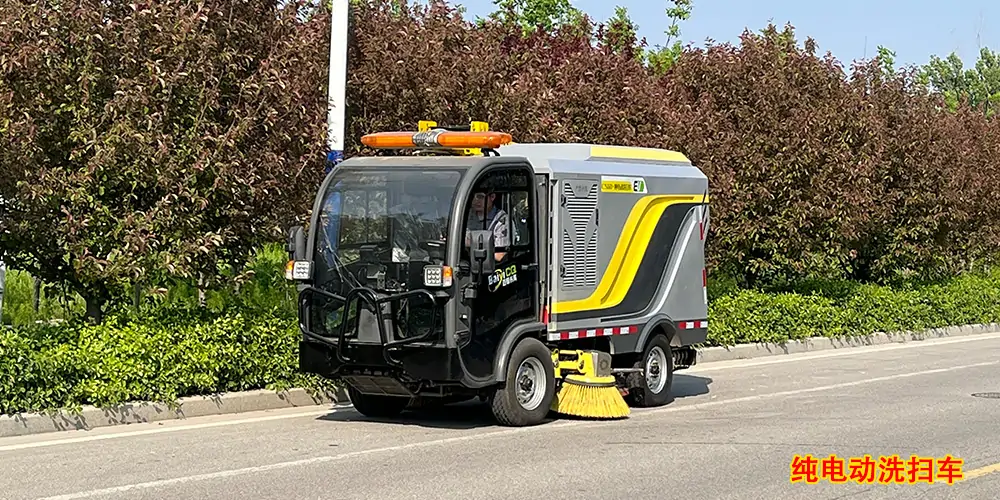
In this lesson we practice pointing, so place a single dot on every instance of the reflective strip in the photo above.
(493, 223)
(496, 220)
(594, 332)
(691, 325)
(704, 284)
(496, 223)
(701, 223)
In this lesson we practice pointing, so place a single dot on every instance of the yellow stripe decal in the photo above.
(625, 260)
(631, 153)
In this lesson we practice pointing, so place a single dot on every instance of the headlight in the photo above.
(298, 270)
(437, 276)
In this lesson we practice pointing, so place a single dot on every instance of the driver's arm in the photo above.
(501, 236)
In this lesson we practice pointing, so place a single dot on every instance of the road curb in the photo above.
(91, 417)
(762, 350)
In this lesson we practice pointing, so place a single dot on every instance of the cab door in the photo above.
(504, 201)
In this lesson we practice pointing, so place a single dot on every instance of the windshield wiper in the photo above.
(342, 270)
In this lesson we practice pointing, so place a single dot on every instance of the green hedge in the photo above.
(182, 350)
(157, 359)
(847, 309)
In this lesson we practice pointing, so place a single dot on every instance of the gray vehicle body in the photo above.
(620, 257)
(624, 264)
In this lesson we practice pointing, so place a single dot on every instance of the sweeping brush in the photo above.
(590, 397)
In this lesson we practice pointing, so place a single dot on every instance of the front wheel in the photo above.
(652, 387)
(530, 386)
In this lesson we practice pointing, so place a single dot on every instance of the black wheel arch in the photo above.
(514, 334)
(660, 323)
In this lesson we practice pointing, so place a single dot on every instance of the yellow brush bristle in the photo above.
(590, 398)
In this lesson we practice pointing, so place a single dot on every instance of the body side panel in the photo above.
(650, 253)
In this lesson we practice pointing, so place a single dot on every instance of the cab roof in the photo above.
(553, 158)
(598, 159)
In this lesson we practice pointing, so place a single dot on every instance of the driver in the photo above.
(485, 215)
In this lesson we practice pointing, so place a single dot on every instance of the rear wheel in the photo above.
(530, 386)
(376, 405)
(652, 386)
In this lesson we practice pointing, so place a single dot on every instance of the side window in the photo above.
(520, 230)
(499, 201)
(487, 210)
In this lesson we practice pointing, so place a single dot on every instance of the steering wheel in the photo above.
(434, 248)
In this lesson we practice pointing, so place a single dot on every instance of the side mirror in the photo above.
(296, 243)
(483, 251)
(298, 268)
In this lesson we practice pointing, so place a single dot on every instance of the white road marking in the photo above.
(836, 353)
(294, 463)
(794, 392)
(558, 425)
(312, 412)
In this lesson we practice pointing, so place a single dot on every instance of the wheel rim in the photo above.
(656, 364)
(530, 383)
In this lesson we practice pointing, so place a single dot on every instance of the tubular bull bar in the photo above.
(341, 346)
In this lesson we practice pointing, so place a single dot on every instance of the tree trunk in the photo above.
(36, 294)
(95, 309)
(136, 297)
(95, 298)
(237, 268)
(3, 288)
(201, 290)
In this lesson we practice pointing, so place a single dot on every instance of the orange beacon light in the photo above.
(436, 139)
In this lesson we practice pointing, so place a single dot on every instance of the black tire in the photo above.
(375, 405)
(507, 409)
(640, 394)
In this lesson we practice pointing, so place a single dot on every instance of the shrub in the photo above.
(161, 358)
(155, 139)
(838, 309)
(18, 301)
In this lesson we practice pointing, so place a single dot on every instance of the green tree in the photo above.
(662, 58)
(547, 15)
(887, 60)
(620, 34)
(152, 140)
(979, 86)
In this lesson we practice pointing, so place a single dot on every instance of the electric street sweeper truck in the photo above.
(479, 267)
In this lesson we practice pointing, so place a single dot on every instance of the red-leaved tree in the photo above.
(148, 139)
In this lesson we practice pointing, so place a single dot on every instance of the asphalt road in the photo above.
(731, 433)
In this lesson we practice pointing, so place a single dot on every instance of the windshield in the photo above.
(386, 216)
(378, 229)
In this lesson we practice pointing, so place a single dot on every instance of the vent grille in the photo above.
(579, 248)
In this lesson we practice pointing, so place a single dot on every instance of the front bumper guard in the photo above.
(341, 346)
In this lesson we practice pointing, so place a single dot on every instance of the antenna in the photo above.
(979, 31)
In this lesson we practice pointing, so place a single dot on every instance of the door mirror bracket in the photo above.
(483, 254)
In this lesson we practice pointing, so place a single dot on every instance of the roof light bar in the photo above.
(436, 139)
